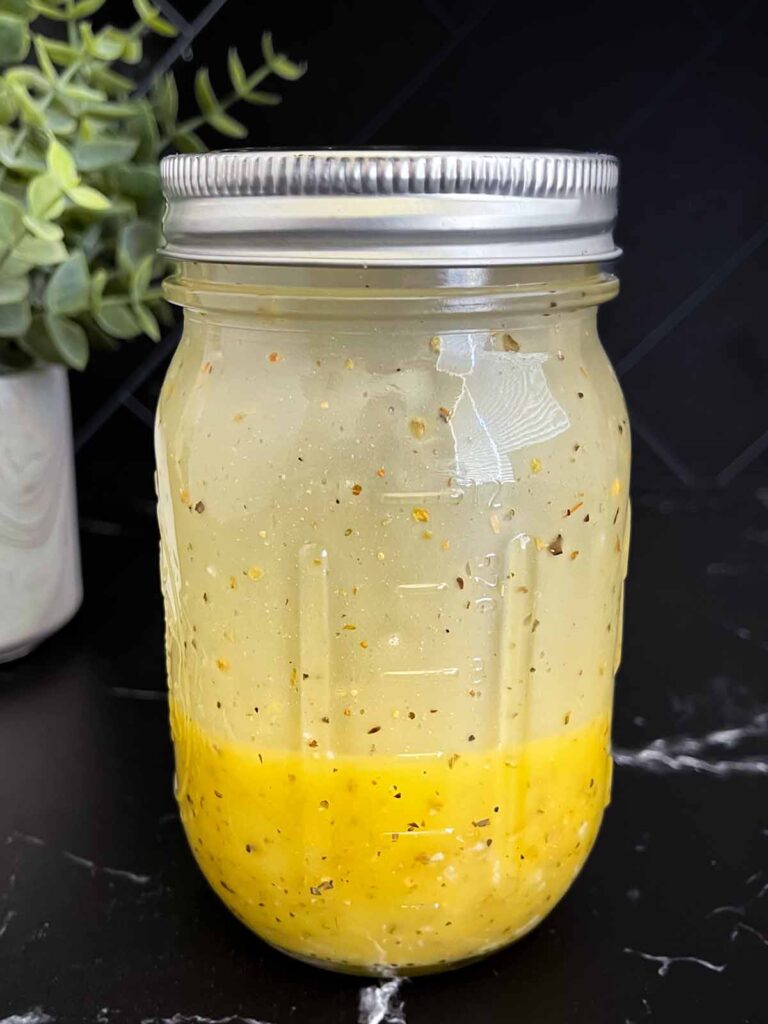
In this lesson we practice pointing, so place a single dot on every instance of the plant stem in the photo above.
(121, 300)
(45, 102)
(193, 123)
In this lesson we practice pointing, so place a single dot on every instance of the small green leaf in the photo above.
(99, 280)
(45, 198)
(152, 19)
(29, 77)
(37, 342)
(139, 181)
(59, 121)
(117, 320)
(165, 100)
(141, 277)
(68, 290)
(14, 39)
(29, 108)
(8, 103)
(20, 8)
(81, 94)
(188, 142)
(135, 243)
(113, 111)
(14, 319)
(278, 63)
(88, 198)
(69, 340)
(143, 127)
(84, 9)
(204, 94)
(227, 125)
(163, 312)
(43, 58)
(26, 160)
(108, 44)
(110, 81)
(60, 53)
(61, 164)
(53, 10)
(263, 99)
(237, 75)
(44, 229)
(95, 156)
(147, 320)
(133, 51)
(14, 290)
(11, 213)
(38, 252)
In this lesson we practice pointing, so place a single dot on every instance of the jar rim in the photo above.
(390, 207)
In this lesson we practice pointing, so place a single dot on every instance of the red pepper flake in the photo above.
(274, 357)
(357, 489)
(373, 729)
(555, 546)
(459, 582)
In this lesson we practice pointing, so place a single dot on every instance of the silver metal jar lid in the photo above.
(390, 208)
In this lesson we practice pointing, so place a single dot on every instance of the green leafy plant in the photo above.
(80, 196)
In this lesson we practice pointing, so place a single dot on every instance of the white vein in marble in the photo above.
(26, 839)
(196, 1018)
(5, 921)
(701, 753)
(666, 962)
(96, 869)
(33, 1016)
(379, 1003)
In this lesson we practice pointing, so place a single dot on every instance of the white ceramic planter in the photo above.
(40, 580)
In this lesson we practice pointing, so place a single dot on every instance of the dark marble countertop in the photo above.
(105, 918)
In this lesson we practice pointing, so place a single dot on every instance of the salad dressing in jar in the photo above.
(392, 477)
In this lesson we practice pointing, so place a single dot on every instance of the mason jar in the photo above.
(392, 467)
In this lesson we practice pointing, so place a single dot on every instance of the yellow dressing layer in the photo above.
(381, 862)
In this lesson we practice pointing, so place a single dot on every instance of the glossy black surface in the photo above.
(104, 916)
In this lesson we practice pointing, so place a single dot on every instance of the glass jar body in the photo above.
(394, 521)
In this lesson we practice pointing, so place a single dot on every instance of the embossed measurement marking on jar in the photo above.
(420, 588)
(452, 496)
(421, 673)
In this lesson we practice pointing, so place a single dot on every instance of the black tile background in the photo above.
(676, 89)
